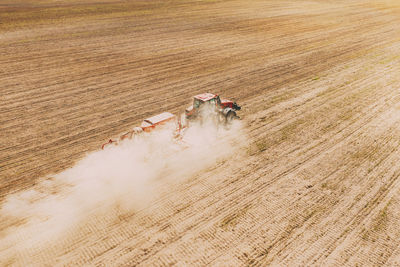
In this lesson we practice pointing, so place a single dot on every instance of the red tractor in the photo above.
(224, 109)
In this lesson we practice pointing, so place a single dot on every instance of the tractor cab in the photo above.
(202, 101)
(208, 99)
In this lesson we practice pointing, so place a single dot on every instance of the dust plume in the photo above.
(120, 178)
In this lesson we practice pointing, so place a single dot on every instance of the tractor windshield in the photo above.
(197, 103)
(215, 102)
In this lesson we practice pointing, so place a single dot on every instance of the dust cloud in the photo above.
(122, 177)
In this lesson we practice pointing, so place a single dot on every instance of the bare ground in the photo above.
(319, 182)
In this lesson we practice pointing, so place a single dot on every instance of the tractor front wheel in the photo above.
(230, 116)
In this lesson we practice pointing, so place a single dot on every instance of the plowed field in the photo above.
(314, 182)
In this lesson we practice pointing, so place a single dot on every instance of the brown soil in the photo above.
(319, 83)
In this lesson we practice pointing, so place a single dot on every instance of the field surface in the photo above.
(317, 181)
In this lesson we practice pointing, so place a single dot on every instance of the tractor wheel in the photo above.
(221, 118)
(230, 116)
